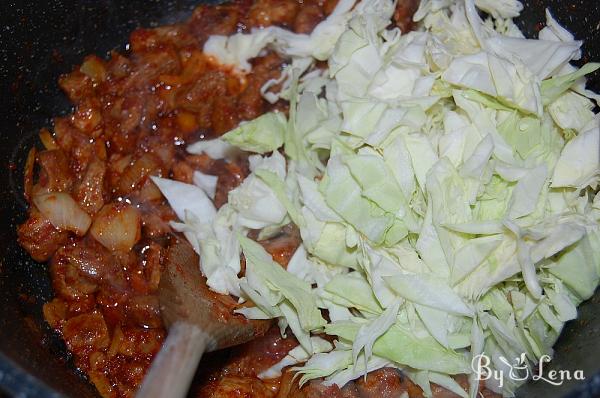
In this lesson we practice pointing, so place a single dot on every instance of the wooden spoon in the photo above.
(199, 321)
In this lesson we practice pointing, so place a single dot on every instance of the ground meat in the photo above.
(382, 383)
(55, 174)
(316, 389)
(216, 20)
(265, 13)
(86, 331)
(90, 259)
(240, 366)
(307, 18)
(283, 246)
(139, 341)
(224, 116)
(75, 143)
(31, 232)
(77, 86)
(144, 311)
(250, 102)
(89, 192)
(55, 313)
(236, 386)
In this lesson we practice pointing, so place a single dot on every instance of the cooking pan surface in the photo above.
(41, 40)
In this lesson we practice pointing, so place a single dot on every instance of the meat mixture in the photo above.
(103, 226)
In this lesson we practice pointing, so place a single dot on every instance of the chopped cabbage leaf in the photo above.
(208, 183)
(278, 288)
(261, 135)
(296, 356)
(185, 198)
(424, 353)
(216, 149)
(579, 160)
(552, 88)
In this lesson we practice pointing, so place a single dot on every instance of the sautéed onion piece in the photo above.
(117, 226)
(63, 212)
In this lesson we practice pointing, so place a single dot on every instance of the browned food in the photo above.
(133, 115)
(39, 237)
(404, 13)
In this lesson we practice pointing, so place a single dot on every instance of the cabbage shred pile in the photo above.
(443, 182)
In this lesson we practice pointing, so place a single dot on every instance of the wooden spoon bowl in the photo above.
(198, 320)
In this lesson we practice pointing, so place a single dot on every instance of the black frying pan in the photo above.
(39, 40)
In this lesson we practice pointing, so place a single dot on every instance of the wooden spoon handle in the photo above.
(175, 365)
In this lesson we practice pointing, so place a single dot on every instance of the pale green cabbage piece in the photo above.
(543, 57)
(281, 289)
(571, 112)
(344, 194)
(261, 135)
(353, 291)
(553, 88)
(577, 165)
(430, 291)
(295, 356)
(324, 364)
(256, 202)
(206, 182)
(215, 148)
(186, 198)
(400, 345)
(512, 83)
(369, 333)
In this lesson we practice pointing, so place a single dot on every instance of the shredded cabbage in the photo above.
(443, 182)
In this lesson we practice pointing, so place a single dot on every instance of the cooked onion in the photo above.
(28, 174)
(118, 163)
(94, 68)
(63, 212)
(47, 139)
(117, 226)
